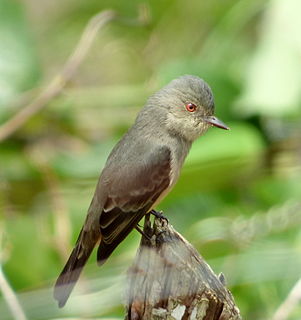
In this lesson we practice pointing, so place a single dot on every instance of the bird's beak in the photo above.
(216, 122)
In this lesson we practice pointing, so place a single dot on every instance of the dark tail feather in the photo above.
(105, 250)
(71, 272)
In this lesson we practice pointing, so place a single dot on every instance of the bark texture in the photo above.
(170, 280)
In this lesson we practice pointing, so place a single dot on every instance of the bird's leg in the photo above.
(159, 214)
(142, 233)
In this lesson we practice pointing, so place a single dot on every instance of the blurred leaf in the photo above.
(273, 83)
(219, 157)
(28, 245)
(84, 164)
(18, 62)
(15, 165)
(241, 141)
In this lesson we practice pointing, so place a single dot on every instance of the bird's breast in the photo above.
(179, 152)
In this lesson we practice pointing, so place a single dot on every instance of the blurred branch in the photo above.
(6, 290)
(57, 84)
(288, 305)
(243, 231)
(10, 298)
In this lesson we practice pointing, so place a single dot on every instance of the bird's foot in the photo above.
(159, 214)
(142, 233)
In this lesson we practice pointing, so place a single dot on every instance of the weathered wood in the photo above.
(170, 280)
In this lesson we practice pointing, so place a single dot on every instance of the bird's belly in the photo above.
(176, 165)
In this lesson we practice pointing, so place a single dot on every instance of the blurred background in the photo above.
(238, 198)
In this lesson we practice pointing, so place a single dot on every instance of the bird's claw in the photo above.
(159, 215)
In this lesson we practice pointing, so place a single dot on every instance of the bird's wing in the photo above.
(131, 192)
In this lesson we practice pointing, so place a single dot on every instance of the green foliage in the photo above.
(238, 198)
(18, 61)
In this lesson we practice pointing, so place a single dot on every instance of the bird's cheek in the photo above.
(203, 127)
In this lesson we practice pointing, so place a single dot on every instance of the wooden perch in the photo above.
(170, 280)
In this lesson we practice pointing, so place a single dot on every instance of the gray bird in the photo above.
(141, 169)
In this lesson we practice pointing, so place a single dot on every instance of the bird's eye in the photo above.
(191, 107)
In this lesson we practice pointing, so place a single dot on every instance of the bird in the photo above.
(140, 171)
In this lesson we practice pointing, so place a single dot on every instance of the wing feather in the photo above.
(131, 194)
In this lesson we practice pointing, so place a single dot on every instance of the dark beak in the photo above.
(216, 122)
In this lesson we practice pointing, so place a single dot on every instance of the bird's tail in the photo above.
(72, 270)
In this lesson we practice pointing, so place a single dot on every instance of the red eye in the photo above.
(191, 107)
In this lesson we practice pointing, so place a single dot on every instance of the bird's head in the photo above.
(189, 107)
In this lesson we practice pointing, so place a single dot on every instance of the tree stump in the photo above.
(170, 280)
